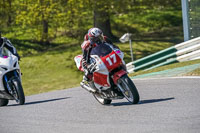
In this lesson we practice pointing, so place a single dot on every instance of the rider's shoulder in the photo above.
(4, 39)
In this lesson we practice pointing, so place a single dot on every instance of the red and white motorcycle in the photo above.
(110, 81)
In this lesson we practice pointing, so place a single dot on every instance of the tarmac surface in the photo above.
(166, 105)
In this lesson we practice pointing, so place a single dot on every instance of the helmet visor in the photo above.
(100, 38)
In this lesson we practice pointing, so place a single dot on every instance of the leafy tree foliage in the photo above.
(46, 19)
(7, 13)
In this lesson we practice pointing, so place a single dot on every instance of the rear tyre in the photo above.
(101, 100)
(128, 89)
(3, 102)
(19, 93)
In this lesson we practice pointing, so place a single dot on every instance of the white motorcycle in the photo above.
(110, 80)
(10, 78)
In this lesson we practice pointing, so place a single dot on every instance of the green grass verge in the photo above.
(51, 67)
(50, 71)
(56, 69)
(196, 72)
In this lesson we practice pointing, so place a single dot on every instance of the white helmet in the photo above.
(95, 35)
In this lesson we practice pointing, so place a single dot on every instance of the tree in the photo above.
(39, 14)
(49, 15)
(102, 18)
(6, 13)
(104, 9)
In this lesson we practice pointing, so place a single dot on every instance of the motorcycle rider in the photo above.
(93, 38)
(8, 45)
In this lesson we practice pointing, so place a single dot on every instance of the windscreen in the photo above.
(4, 52)
(101, 50)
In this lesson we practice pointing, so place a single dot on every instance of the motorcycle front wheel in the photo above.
(128, 89)
(101, 100)
(18, 91)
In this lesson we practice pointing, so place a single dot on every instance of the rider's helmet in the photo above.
(95, 35)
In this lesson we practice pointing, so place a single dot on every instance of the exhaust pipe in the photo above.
(84, 86)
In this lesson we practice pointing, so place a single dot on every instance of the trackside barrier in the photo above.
(185, 51)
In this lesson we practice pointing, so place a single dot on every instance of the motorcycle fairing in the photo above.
(101, 74)
(78, 61)
(6, 65)
(117, 75)
(105, 65)
(111, 61)
(101, 79)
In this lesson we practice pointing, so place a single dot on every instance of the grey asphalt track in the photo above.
(166, 105)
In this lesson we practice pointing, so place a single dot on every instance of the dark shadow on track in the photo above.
(42, 101)
(143, 101)
(155, 100)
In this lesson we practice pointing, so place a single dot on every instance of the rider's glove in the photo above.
(84, 64)
(86, 72)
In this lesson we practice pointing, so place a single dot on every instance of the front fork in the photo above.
(9, 82)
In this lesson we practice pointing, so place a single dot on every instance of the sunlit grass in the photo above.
(48, 72)
(51, 67)
(55, 69)
(171, 66)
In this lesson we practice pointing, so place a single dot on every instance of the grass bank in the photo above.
(195, 72)
(50, 71)
(48, 67)
(56, 69)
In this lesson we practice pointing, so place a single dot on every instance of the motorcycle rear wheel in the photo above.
(3, 102)
(128, 89)
(19, 93)
(101, 100)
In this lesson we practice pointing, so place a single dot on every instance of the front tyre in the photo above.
(18, 91)
(101, 100)
(129, 90)
(3, 102)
